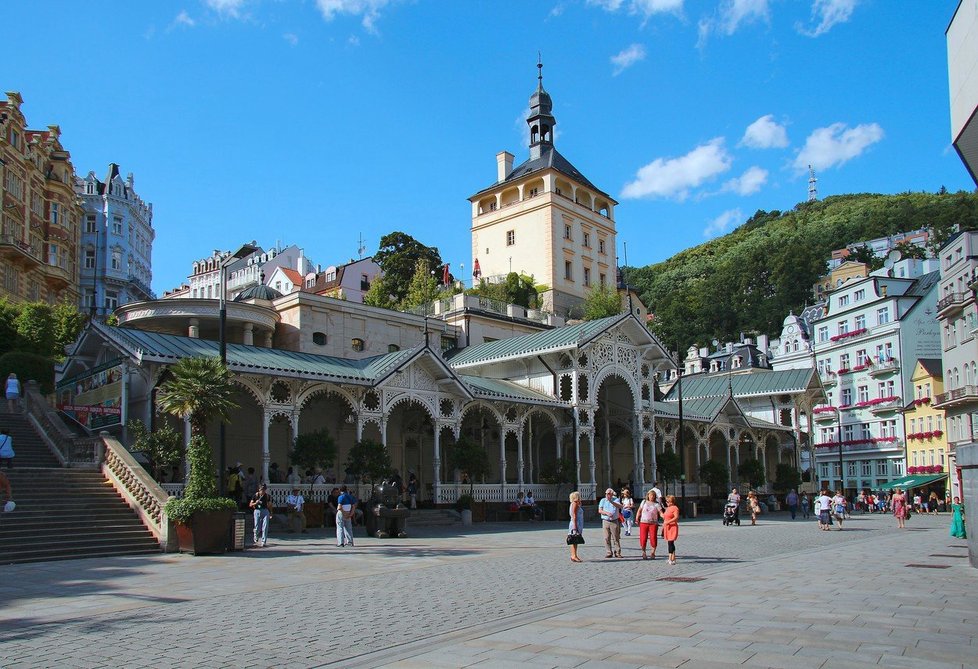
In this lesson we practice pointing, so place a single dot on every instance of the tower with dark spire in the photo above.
(541, 119)
(544, 219)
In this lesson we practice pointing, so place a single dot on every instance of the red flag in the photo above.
(445, 275)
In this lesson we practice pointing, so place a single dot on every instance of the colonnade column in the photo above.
(591, 464)
(383, 432)
(529, 449)
(502, 457)
(436, 466)
(577, 460)
(359, 430)
(640, 454)
(249, 334)
(519, 458)
(265, 457)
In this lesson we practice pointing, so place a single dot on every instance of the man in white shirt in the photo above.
(297, 519)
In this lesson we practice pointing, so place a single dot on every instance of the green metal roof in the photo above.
(567, 337)
(507, 390)
(166, 347)
(696, 409)
(744, 385)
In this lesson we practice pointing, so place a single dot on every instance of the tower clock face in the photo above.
(790, 329)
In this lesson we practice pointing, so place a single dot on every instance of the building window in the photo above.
(587, 276)
(116, 260)
(823, 333)
(568, 272)
(843, 300)
(863, 394)
(53, 255)
(881, 468)
(844, 361)
(883, 315)
(55, 213)
(587, 240)
(567, 232)
(90, 223)
(117, 225)
(846, 396)
(393, 348)
(859, 295)
(860, 322)
(510, 237)
(534, 192)
(866, 469)
(843, 327)
(89, 258)
(319, 338)
(603, 278)
(448, 343)
(357, 344)
(601, 246)
(111, 300)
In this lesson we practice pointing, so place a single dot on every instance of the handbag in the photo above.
(574, 538)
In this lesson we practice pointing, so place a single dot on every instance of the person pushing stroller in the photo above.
(731, 510)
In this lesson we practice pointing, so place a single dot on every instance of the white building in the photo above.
(957, 314)
(349, 281)
(866, 346)
(962, 54)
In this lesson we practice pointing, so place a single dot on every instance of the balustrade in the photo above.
(144, 495)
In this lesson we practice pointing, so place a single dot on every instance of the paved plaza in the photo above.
(781, 594)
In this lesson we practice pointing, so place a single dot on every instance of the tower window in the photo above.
(568, 271)
(587, 276)
(319, 338)
(600, 246)
(568, 234)
(510, 237)
(587, 240)
(357, 344)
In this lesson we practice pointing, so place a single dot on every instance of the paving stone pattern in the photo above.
(781, 594)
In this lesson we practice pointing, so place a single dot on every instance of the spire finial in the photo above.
(539, 71)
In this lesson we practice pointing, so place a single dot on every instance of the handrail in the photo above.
(70, 450)
(137, 487)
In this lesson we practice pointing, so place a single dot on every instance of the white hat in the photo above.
(9, 506)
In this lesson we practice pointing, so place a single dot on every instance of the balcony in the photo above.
(828, 378)
(825, 414)
(859, 445)
(883, 367)
(885, 405)
(20, 252)
(952, 302)
(956, 397)
(57, 277)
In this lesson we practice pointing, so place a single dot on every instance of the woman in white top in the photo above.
(648, 522)
(839, 507)
(628, 510)
(13, 392)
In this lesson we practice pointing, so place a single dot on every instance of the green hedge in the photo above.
(27, 367)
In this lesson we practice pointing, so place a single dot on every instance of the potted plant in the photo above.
(161, 447)
(311, 450)
(199, 389)
(464, 507)
(471, 458)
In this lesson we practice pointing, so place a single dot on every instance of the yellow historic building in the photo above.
(926, 438)
(40, 215)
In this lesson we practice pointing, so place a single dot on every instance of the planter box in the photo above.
(208, 533)
(315, 514)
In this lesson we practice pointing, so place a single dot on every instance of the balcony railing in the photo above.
(884, 367)
(30, 251)
(952, 300)
(825, 414)
(961, 395)
(828, 378)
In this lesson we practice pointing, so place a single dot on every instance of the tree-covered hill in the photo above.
(748, 280)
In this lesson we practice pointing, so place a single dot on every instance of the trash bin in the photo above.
(238, 530)
(692, 509)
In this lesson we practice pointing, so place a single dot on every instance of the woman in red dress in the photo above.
(670, 526)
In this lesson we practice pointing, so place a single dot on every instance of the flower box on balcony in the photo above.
(859, 368)
(846, 335)
(844, 370)
(820, 410)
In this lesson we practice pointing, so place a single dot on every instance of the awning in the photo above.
(915, 481)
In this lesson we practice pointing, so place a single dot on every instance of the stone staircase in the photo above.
(63, 513)
(429, 517)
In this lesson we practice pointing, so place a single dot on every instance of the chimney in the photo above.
(763, 343)
(504, 165)
(300, 263)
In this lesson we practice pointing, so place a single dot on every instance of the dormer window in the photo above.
(737, 362)
(357, 344)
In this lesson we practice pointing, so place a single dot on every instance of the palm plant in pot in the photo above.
(199, 389)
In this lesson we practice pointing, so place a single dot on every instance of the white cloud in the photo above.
(765, 133)
(291, 38)
(644, 8)
(627, 57)
(230, 8)
(747, 183)
(674, 177)
(368, 10)
(722, 223)
(731, 15)
(828, 13)
(836, 144)
(184, 19)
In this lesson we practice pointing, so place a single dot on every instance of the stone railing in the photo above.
(71, 451)
(137, 487)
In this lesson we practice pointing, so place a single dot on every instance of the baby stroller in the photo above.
(731, 514)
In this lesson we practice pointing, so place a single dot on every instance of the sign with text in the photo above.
(94, 398)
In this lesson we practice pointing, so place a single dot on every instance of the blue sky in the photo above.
(315, 121)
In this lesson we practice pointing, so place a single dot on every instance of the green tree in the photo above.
(9, 338)
(752, 471)
(669, 466)
(28, 367)
(471, 458)
(369, 460)
(162, 447)
(398, 257)
(601, 302)
(716, 475)
(560, 471)
(786, 477)
(199, 389)
(379, 294)
(35, 328)
(423, 288)
(314, 449)
(68, 323)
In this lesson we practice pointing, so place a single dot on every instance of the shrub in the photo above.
(27, 367)
(200, 493)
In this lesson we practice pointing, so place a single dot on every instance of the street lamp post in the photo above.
(243, 252)
(842, 471)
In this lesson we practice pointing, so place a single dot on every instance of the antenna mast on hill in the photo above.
(360, 248)
(812, 190)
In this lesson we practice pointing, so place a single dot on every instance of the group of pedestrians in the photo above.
(653, 513)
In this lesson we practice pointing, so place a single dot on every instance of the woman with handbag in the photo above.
(575, 536)
(6, 449)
